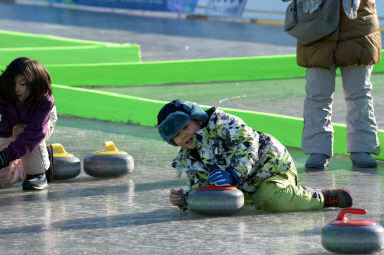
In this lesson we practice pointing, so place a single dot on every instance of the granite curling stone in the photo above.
(66, 165)
(352, 235)
(216, 200)
(110, 163)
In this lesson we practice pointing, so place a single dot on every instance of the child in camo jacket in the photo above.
(219, 148)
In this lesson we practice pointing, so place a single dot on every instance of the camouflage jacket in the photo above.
(227, 142)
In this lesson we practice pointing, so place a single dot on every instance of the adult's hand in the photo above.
(351, 7)
(309, 6)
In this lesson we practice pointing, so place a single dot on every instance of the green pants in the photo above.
(281, 193)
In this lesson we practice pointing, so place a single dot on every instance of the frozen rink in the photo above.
(132, 214)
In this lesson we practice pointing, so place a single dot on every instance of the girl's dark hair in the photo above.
(37, 79)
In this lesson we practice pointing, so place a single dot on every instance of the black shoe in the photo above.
(51, 170)
(337, 198)
(317, 161)
(35, 182)
(363, 160)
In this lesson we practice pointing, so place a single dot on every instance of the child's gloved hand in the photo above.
(223, 178)
(3, 159)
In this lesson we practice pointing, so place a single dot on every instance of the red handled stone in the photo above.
(355, 236)
(216, 200)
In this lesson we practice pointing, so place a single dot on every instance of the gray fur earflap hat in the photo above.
(175, 115)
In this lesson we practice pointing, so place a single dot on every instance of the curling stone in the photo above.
(352, 235)
(65, 164)
(216, 200)
(110, 163)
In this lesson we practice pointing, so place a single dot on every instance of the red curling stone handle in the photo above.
(342, 215)
(214, 187)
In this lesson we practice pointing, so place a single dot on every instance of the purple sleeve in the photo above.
(35, 131)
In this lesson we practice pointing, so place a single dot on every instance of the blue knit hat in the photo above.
(175, 115)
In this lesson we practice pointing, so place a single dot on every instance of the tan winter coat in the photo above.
(354, 43)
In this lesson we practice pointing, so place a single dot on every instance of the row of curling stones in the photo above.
(216, 200)
(109, 163)
(355, 236)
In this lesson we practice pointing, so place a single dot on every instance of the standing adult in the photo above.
(353, 47)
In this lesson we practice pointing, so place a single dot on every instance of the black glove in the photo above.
(3, 159)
